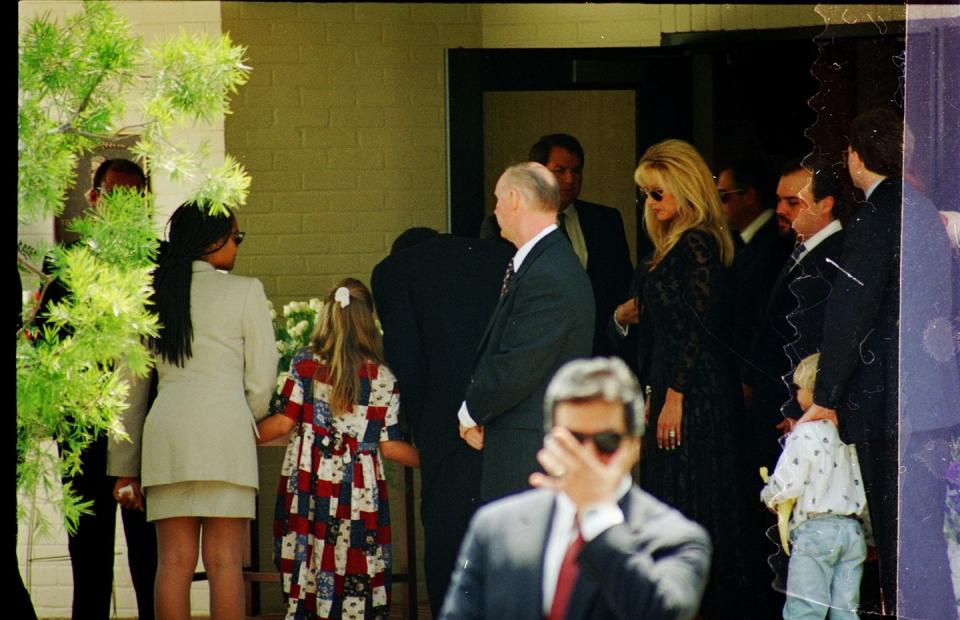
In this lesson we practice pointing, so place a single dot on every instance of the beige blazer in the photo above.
(202, 425)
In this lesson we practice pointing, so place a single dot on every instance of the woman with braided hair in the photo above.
(216, 363)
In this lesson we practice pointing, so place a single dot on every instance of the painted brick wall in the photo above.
(342, 127)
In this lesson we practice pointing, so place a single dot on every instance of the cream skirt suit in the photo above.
(199, 455)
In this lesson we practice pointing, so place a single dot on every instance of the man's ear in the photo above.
(750, 196)
(92, 196)
(826, 207)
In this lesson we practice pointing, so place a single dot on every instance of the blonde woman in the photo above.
(332, 528)
(689, 460)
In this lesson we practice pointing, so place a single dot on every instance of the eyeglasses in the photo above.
(656, 194)
(726, 193)
(239, 236)
(607, 442)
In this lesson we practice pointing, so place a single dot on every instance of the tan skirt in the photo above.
(200, 498)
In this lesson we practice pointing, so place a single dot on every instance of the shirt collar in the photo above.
(870, 189)
(817, 239)
(526, 247)
(747, 233)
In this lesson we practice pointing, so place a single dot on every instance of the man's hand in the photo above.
(786, 425)
(627, 313)
(816, 412)
(573, 469)
(473, 435)
(128, 494)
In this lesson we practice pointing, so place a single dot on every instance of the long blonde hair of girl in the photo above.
(346, 338)
(676, 167)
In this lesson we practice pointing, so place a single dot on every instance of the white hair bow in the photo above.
(342, 296)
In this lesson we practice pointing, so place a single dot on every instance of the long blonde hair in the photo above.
(678, 168)
(345, 339)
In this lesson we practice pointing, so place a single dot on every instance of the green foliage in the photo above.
(73, 83)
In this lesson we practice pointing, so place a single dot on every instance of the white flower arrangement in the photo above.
(293, 331)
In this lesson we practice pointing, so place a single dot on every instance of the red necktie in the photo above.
(567, 579)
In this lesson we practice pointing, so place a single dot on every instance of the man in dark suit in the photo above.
(588, 543)
(434, 294)
(545, 317)
(763, 239)
(91, 546)
(857, 386)
(793, 314)
(595, 232)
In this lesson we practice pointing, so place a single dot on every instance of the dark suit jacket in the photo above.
(859, 351)
(790, 330)
(608, 265)
(792, 321)
(755, 267)
(652, 566)
(434, 300)
(545, 319)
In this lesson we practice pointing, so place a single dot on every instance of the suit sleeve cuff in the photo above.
(622, 330)
(464, 416)
(595, 519)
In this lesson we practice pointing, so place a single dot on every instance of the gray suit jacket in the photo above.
(202, 424)
(653, 566)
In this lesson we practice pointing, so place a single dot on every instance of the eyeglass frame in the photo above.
(238, 237)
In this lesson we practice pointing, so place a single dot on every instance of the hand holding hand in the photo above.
(817, 412)
(786, 425)
(573, 469)
(473, 435)
(128, 493)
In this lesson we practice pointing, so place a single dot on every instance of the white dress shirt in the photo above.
(595, 520)
(816, 239)
(747, 233)
(575, 233)
(463, 415)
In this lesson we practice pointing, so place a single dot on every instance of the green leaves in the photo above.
(74, 80)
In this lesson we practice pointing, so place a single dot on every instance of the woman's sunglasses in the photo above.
(656, 194)
(239, 236)
(607, 442)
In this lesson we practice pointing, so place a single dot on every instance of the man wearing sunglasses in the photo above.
(587, 542)
(763, 241)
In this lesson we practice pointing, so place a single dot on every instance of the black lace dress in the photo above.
(681, 347)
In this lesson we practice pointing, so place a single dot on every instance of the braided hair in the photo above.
(193, 233)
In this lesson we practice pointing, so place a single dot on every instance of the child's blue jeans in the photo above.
(826, 564)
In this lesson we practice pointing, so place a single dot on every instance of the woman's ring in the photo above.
(672, 433)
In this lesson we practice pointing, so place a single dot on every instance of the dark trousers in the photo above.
(449, 496)
(92, 545)
(878, 464)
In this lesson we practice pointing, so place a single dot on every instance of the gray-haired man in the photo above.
(587, 543)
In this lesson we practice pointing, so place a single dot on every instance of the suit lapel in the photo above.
(539, 248)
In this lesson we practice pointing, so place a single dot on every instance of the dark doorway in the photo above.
(778, 92)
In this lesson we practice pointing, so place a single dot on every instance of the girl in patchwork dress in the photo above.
(332, 523)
